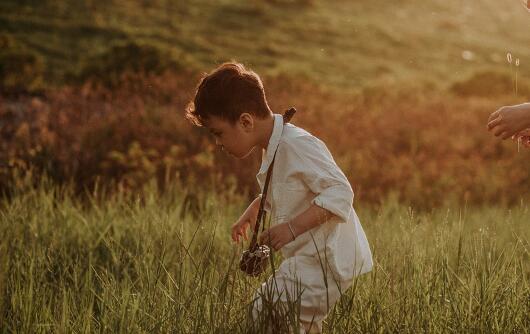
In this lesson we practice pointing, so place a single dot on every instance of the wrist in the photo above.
(524, 112)
(292, 230)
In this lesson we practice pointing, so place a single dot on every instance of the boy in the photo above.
(310, 199)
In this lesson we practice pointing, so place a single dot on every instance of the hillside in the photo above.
(343, 43)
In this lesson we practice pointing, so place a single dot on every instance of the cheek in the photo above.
(241, 146)
(238, 142)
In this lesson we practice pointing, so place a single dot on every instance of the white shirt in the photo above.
(305, 173)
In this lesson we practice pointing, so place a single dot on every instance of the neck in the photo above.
(264, 128)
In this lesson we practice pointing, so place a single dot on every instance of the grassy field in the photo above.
(348, 44)
(399, 91)
(124, 265)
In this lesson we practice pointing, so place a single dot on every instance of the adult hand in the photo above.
(276, 236)
(524, 136)
(510, 120)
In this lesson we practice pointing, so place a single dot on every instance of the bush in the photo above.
(425, 147)
(110, 66)
(20, 70)
(489, 83)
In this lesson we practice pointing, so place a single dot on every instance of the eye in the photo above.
(216, 133)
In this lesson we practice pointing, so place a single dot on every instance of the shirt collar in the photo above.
(274, 141)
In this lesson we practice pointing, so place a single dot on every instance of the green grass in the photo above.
(125, 265)
(346, 44)
(164, 263)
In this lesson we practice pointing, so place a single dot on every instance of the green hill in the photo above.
(343, 43)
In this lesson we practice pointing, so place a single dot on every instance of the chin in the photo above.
(244, 155)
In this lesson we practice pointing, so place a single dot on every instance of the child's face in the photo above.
(236, 139)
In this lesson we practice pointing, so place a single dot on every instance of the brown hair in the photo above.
(227, 92)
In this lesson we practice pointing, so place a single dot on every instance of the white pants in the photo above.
(302, 287)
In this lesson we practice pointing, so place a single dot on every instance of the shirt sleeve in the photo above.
(310, 160)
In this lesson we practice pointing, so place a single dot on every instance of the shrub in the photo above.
(424, 147)
(489, 83)
(110, 66)
(20, 70)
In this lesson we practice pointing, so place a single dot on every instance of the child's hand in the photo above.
(276, 236)
(239, 229)
(508, 121)
(248, 218)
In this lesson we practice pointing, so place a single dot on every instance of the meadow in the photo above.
(115, 212)
(120, 264)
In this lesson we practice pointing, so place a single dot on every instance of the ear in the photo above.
(246, 121)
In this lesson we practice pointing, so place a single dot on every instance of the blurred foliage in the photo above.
(403, 111)
(345, 44)
(110, 66)
(422, 146)
(21, 70)
(490, 83)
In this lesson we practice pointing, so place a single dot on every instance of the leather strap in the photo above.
(261, 213)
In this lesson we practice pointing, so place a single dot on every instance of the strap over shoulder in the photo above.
(261, 213)
(288, 115)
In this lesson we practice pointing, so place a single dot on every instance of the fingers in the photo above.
(499, 130)
(503, 131)
(524, 133)
(494, 115)
(235, 238)
(507, 134)
(267, 238)
(239, 229)
(493, 123)
(275, 242)
(234, 234)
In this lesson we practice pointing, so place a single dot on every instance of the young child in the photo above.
(511, 122)
(309, 200)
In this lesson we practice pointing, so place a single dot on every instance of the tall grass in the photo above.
(126, 264)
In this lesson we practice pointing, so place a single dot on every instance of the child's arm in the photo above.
(248, 218)
(310, 161)
(281, 234)
(510, 120)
